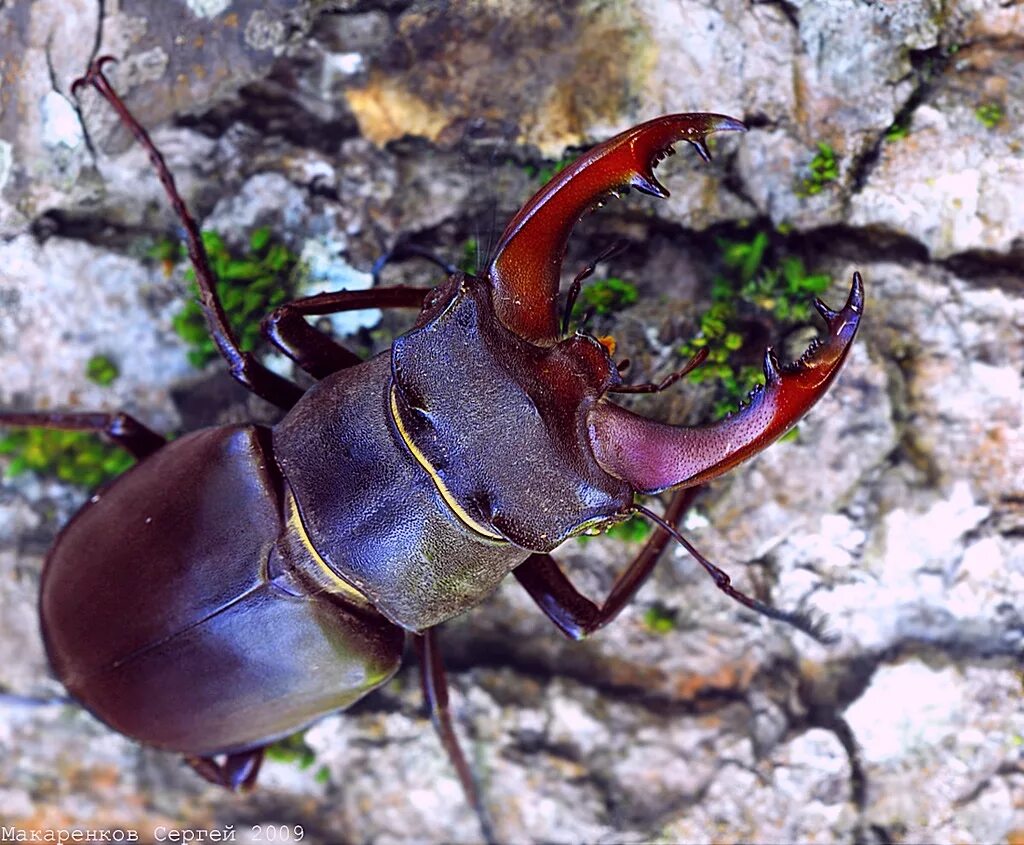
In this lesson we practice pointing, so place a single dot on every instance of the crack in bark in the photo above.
(790, 11)
(928, 66)
(76, 105)
(487, 650)
(101, 14)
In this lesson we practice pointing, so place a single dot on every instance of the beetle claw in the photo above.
(525, 271)
(827, 313)
(649, 185)
(94, 73)
(854, 305)
(700, 145)
(652, 456)
(772, 374)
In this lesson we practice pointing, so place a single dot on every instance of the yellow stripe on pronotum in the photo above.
(328, 577)
(449, 499)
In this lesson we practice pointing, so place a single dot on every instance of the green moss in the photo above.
(250, 285)
(824, 168)
(791, 436)
(76, 457)
(757, 281)
(470, 262)
(293, 749)
(636, 529)
(101, 370)
(167, 250)
(990, 115)
(897, 132)
(605, 296)
(545, 173)
(660, 619)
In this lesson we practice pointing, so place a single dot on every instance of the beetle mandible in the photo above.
(393, 495)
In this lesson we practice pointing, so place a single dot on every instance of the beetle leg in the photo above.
(435, 691)
(244, 367)
(525, 269)
(120, 428)
(243, 768)
(238, 771)
(207, 768)
(577, 616)
(311, 349)
(652, 456)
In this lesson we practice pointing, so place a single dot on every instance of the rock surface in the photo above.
(898, 511)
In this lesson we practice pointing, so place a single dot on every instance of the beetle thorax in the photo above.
(500, 423)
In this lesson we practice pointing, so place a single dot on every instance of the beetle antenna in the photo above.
(585, 319)
(666, 382)
(806, 622)
(574, 289)
(406, 250)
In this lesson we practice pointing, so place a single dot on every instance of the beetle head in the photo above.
(513, 421)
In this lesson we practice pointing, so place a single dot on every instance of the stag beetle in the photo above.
(240, 582)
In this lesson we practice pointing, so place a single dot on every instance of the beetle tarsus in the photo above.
(238, 772)
(94, 73)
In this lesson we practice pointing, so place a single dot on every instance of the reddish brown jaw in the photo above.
(652, 456)
(524, 272)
